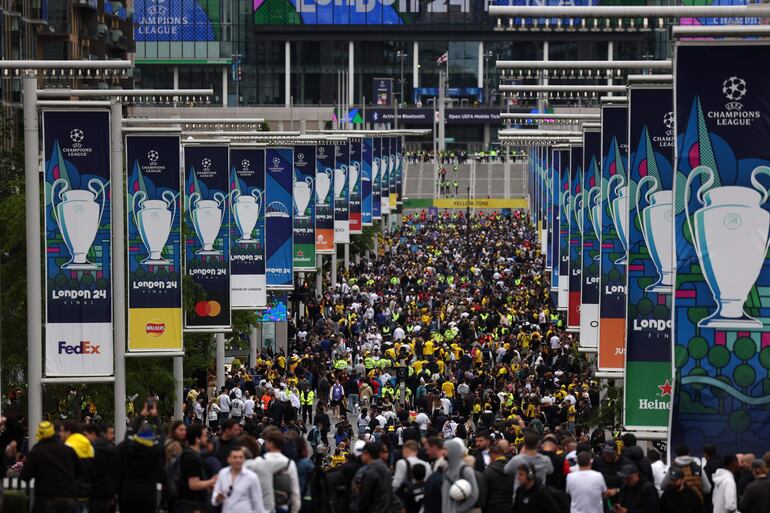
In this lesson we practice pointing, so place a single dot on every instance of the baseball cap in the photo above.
(628, 470)
(608, 447)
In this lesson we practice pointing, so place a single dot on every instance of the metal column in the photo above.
(351, 73)
(178, 387)
(224, 88)
(287, 73)
(34, 285)
(415, 64)
(253, 347)
(220, 362)
(119, 264)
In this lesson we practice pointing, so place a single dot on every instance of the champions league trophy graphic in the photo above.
(353, 169)
(154, 223)
(594, 213)
(577, 208)
(619, 212)
(78, 215)
(207, 217)
(658, 232)
(246, 212)
(730, 236)
(323, 182)
(339, 181)
(303, 191)
(375, 168)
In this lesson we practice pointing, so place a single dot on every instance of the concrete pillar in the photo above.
(253, 346)
(347, 257)
(224, 86)
(282, 337)
(415, 64)
(287, 73)
(178, 387)
(334, 267)
(480, 78)
(487, 136)
(351, 73)
(176, 77)
(319, 275)
(220, 361)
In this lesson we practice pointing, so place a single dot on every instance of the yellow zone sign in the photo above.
(481, 203)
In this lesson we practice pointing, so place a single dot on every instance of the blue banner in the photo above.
(647, 388)
(613, 223)
(354, 185)
(324, 208)
(722, 290)
(385, 175)
(154, 229)
(554, 226)
(78, 243)
(304, 207)
(565, 212)
(377, 178)
(591, 201)
(366, 181)
(279, 251)
(207, 252)
(576, 217)
(341, 194)
(550, 212)
(247, 231)
(399, 171)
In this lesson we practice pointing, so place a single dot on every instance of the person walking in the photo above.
(375, 492)
(457, 469)
(679, 497)
(274, 468)
(756, 497)
(404, 466)
(140, 469)
(724, 496)
(237, 488)
(532, 496)
(586, 487)
(637, 495)
(194, 485)
(499, 484)
(55, 468)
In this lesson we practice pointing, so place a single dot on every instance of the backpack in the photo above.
(337, 392)
(173, 475)
(692, 477)
(282, 488)
(404, 489)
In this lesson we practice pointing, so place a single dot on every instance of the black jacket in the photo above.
(636, 456)
(610, 471)
(432, 498)
(557, 479)
(140, 467)
(55, 468)
(641, 498)
(537, 499)
(499, 486)
(756, 498)
(376, 493)
(685, 501)
(105, 476)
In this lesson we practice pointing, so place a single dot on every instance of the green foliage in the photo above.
(610, 412)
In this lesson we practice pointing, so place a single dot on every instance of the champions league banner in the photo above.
(647, 387)
(341, 194)
(324, 194)
(613, 223)
(722, 291)
(207, 252)
(78, 243)
(392, 174)
(399, 171)
(354, 186)
(385, 175)
(563, 228)
(304, 213)
(553, 226)
(366, 181)
(549, 210)
(279, 252)
(591, 228)
(247, 232)
(376, 178)
(574, 203)
(154, 246)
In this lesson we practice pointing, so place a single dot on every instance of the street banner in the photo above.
(563, 228)
(154, 249)
(304, 207)
(385, 175)
(354, 185)
(366, 181)
(722, 292)
(341, 193)
(207, 235)
(279, 252)
(575, 205)
(399, 171)
(550, 210)
(78, 243)
(376, 178)
(545, 169)
(392, 174)
(591, 202)
(646, 392)
(613, 223)
(324, 195)
(247, 231)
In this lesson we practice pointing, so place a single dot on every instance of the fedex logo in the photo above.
(84, 347)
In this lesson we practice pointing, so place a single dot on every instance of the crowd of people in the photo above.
(437, 377)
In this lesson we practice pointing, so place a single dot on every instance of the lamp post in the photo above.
(402, 55)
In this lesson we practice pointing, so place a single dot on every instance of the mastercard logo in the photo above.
(155, 329)
(208, 308)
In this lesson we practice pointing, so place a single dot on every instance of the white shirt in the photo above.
(659, 470)
(585, 487)
(422, 420)
(248, 407)
(555, 342)
(245, 496)
(398, 333)
(224, 403)
(236, 407)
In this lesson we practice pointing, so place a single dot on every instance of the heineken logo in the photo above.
(665, 389)
(654, 404)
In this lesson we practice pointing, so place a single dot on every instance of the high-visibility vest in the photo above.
(340, 364)
(369, 362)
(306, 398)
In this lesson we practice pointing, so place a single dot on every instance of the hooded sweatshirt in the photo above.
(725, 494)
(541, 462)
(686, 461)
(457, 469)
(500, 484)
